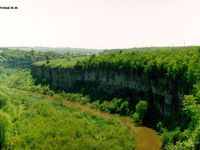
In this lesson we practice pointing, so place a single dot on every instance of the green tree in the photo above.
(141, 109)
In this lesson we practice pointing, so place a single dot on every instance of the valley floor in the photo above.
(34, 117)
(146, 138)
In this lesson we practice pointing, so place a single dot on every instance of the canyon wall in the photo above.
(163, 94)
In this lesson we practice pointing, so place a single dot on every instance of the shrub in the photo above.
(75, 97)
(160, 127)
(170, 137)
(136, 117)
(117, 105)
(114, 105)
(104, 106)
(4, 122)
(96, 104)
(141, 109)
(124, 110)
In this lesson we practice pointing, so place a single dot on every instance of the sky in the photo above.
(102, 24)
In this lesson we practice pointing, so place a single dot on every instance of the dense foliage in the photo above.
(141, 109)
(180, 65)
(29, 121)
(23, 59)
(175, 63)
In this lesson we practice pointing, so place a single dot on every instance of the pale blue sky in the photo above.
(100, 23)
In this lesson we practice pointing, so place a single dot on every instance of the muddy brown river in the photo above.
(145, 138)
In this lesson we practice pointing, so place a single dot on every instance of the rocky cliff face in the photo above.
(163, 94)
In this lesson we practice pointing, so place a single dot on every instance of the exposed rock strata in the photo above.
(163, 94)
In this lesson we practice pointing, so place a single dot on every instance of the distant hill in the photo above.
(61, 50)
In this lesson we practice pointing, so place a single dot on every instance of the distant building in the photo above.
(1, 51)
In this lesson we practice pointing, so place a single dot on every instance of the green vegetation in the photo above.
(115, 106)
(189, 138)
(24, 59)
(62, 63)
(178, 65)
(4, 124)
(61, 50)
(30, 121)
(141, 109)
(174, 63)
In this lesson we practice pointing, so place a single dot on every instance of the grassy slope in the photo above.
(146, 138)
(62, 63)
(35, 122)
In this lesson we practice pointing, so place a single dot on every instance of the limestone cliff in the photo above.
(164, 95)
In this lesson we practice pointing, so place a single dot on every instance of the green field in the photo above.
(62, 63)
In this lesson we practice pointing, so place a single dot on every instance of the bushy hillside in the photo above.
(23, 59)
(29, 121)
